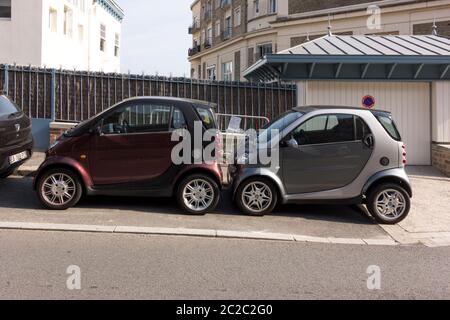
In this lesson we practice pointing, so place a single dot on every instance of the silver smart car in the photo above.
(329, 155)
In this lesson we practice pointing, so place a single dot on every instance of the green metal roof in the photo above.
(416, 58)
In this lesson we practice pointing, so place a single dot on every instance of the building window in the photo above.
(228, 28)
(225, 3)
(211, 73)
(209, 35)
(102, 37)
(227, 71)
(53, 20)
(80, 4)
(208, 11)
(203, 37)
(237, 16)
(272, 6)
(264, 49)
(81, 33)
(218, 28)
(196, 22)
(5, 9)
(256, 6)
(117, 45)
(68, 22)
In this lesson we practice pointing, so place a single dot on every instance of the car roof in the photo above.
(192, 101)
(312, 108)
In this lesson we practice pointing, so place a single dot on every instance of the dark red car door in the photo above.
(134, 146)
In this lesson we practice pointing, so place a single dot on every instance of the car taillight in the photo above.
(404, 154)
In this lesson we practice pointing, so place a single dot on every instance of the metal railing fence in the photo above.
(73, 96)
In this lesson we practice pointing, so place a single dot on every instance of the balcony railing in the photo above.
(207, 15)
(207, 44)
(194, 50)
(194, 27)
(227, 33)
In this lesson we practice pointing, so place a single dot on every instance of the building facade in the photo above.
(230, 35)
(68, 34)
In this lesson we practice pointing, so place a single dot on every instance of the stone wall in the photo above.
(443, 28)
(441, 158)
(302, 6)
(296, 6)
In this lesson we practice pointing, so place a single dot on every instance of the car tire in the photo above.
(65, 181)
(267, 191)
(388, 203)
(198, 194)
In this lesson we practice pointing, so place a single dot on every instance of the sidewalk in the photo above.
(429, 219)
(30, 167)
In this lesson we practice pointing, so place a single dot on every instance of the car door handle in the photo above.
(369, 141)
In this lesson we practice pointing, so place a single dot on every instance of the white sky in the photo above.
(155, 36)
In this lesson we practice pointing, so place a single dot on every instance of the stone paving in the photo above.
(429, 220)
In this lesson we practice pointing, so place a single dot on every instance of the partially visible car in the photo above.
(16, 140)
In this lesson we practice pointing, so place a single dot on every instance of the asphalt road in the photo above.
(34, 264)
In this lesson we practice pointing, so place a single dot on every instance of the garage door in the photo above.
(409, 103)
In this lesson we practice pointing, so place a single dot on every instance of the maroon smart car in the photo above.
(127, 151)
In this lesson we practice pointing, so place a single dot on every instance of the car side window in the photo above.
(178, 119)
(142, 118)
(332, 128)
(362, 129)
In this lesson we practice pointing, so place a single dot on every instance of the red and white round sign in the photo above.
(368, 102)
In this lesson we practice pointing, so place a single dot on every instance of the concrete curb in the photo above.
(209, 233)
(428, 239)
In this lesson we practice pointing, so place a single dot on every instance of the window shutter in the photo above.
(251, 54)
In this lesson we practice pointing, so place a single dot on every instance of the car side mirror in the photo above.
(96, 130)
(369, 141)
(289, 142)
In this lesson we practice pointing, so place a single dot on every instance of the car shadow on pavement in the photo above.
(17, 193)
(330, 213)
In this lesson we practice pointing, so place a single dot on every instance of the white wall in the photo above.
(27, 38)
(409, 103)
(58, 49)
(441, 111)
(99, 60)
(20, 37)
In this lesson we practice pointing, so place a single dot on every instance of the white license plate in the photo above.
(18, 157)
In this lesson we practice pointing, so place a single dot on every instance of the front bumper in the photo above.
(5, 153)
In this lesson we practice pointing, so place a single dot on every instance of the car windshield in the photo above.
(207, 117)
(278, 124)
(7, 107)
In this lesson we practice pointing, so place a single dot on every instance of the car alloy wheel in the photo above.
(390, 204)
(58, 189)
(257, 197)
(198, 195)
